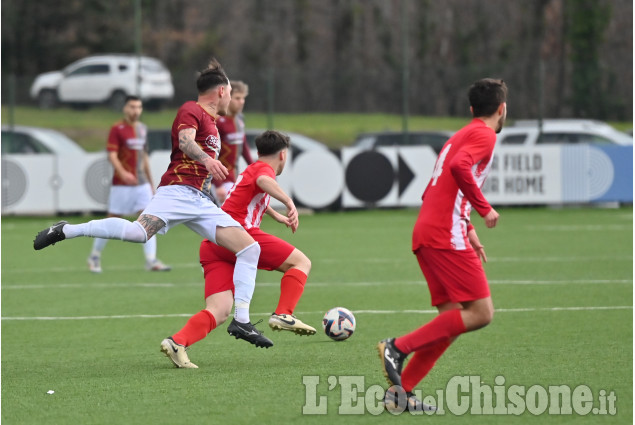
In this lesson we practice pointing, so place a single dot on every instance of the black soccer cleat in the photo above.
(392, 360)
(249, 333)
(396, 401)
(50, 236)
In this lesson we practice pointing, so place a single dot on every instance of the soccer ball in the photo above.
(338, 323)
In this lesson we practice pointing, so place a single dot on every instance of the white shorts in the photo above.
(129, 200)
(178, 204)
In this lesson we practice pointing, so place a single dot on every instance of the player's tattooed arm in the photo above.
(151, 224)
(189, 147)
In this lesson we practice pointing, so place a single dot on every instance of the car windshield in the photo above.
(57, 142)
(62, 142)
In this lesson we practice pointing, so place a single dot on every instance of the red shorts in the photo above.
(452, 276)
(218, 262)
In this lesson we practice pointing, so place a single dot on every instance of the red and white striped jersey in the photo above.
(455, 187)
(246, 202)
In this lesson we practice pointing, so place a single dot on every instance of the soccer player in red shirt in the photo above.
(186, 196)
(447, 248)
(233, 142)
(247, 202)
(132, 186)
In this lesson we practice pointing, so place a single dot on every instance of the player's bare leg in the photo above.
(296, 269)
(477, 314)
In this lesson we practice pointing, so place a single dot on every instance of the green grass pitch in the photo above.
(561, 280)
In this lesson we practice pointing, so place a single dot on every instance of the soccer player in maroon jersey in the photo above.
(185, 196)
(233, 142)
(447, 248)
(247, 202)
(132, 186)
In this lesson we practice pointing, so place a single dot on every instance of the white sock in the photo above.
(98, 246)
(245, 280)
(150, 249)
(241, 313)
(108, 228)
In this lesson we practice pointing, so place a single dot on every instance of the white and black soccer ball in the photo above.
(339, 323)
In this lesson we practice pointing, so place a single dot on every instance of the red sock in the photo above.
(196, 328)
(291, 288)
(445, 326)
(421, 363)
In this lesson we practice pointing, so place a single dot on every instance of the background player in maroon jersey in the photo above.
(447, 248)
(247, 202)
(132, 186)
(233, 142)
(185, 196)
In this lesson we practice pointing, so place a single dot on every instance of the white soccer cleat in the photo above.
(157, 266)
(94, 264)
(176, 353)
(288, 322)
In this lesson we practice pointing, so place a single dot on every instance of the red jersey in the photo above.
(233, 144)
(130, 144)
(246, 202)
(455, 187)
(182, 169)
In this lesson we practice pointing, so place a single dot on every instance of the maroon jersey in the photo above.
(182, 169)
(459, 173)
(233, 144)
(130, 144)
(246, 202)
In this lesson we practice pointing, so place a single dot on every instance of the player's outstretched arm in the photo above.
(274, 190)
(188, 145)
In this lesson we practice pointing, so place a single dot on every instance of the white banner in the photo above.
(350, 178)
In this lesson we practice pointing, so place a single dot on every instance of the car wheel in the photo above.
(117, 100)
(47, 99)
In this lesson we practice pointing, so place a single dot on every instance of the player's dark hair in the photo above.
(131, 97)
(486, 95)
(211, 77)
(271, 142)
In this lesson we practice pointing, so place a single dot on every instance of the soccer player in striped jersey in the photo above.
(448, 249)
(247, 202)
